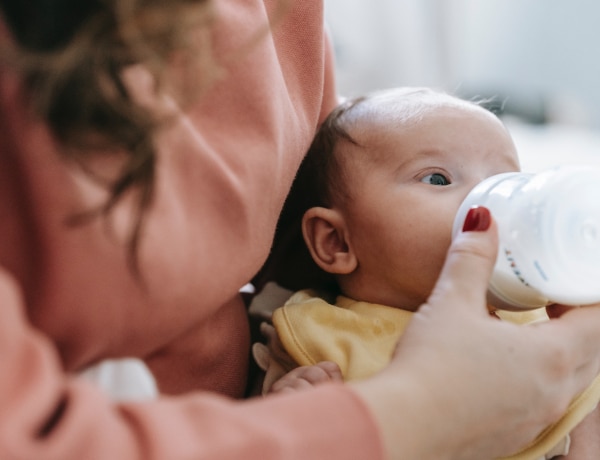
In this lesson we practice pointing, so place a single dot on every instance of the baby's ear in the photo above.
(326, 237)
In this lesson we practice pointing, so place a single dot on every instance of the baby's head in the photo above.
(386, 175)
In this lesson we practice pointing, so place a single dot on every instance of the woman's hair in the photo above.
(71, 55)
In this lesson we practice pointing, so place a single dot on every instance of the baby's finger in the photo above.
(332, 370)
(267, 330)
(319, 373)
(307, 376)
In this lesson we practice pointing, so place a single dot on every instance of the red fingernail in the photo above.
(478, 220)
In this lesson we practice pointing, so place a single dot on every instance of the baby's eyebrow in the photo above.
(425, 153)
(432, 155)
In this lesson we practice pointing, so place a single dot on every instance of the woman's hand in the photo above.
(463, 385)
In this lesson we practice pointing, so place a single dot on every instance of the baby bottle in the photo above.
(549, 229)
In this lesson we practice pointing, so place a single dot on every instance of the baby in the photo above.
(387, 173)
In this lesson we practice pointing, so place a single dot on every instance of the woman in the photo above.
(141, 182)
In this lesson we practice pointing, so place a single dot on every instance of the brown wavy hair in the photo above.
(71, 54)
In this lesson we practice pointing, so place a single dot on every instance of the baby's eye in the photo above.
(435, 179)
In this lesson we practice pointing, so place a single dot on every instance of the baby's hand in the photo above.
(281, 371)
(305, 377)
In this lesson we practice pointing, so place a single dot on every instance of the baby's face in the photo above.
(406, 185)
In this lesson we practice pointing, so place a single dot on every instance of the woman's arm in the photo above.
(46, 414)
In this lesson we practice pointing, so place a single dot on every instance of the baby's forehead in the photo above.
(374, 118)
(378, 121)
(406, 108)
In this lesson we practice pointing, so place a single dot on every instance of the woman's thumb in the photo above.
(469, 263)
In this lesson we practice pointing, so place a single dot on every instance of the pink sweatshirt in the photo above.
(68, 298)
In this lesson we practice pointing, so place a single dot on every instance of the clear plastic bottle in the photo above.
(549, 228)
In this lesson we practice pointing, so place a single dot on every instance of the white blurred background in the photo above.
(539, 59)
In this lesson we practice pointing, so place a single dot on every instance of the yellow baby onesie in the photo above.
(360, 337)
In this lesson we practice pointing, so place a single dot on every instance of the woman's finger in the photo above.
(469, 264)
